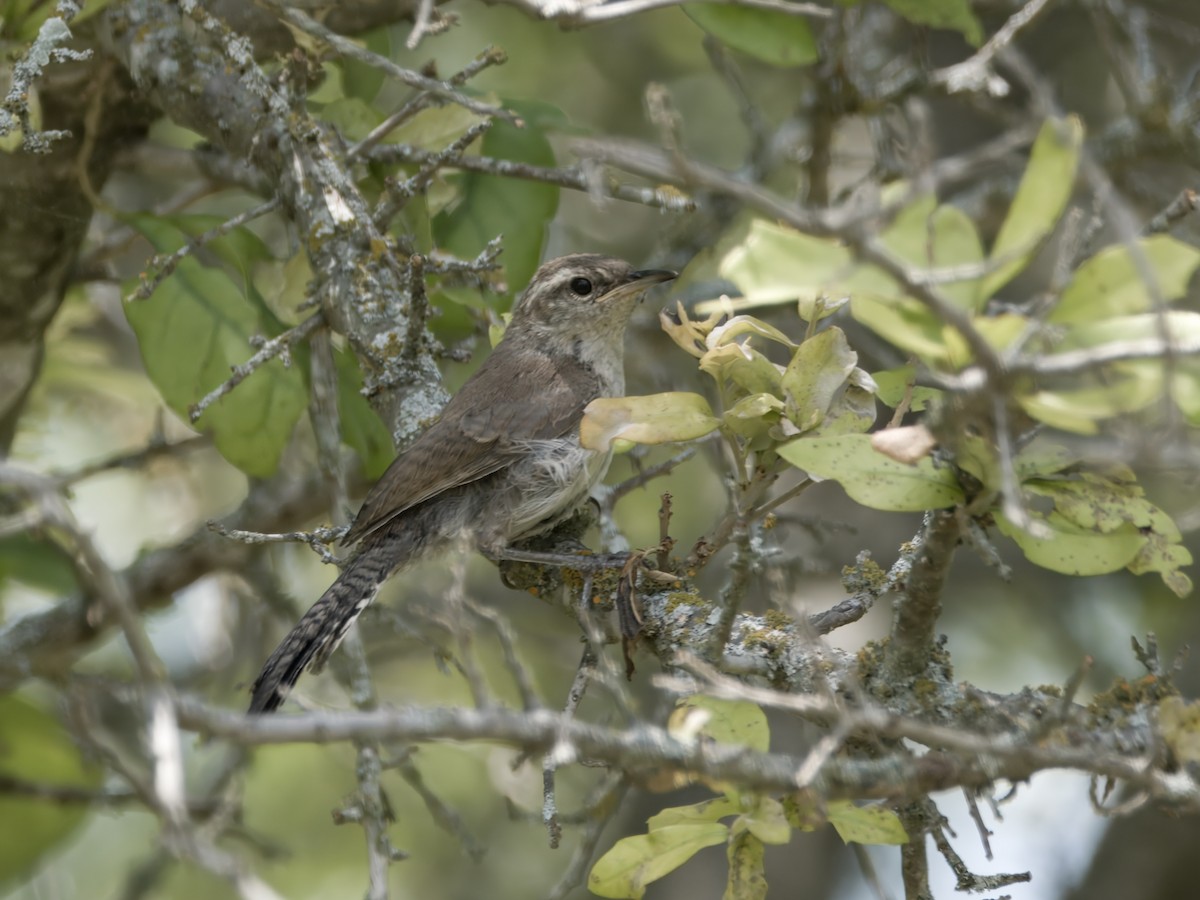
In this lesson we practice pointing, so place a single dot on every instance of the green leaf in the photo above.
(866, 824)
(1111, 503)
(814, 377)
(491, 205)
(1110, 283)
(240, 249)
(360, 80)
(803, 811)
(730, 721)
(773, 37)
(353, 117)
(853, 411)
(767, 821)
(955, 15)
(1160, 555)
(652, 419)
(191, 332)
(753, 415)
(745, 367)
(362, 429)
(634, 862)
(706, 811)
(872, 479)
(747, 878)
(34, 749)
(1040, 200)
(999, 332)
(1042, 457)
(36, 561)
(1070, 549)
(892, 384)
(938, 237)
(775, 264)
(742, 325)
(1131, 387)
(1179, 725)
(905, 323)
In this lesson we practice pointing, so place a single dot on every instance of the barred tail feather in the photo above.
(313, 640)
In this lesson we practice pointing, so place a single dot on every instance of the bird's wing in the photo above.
(482, 430)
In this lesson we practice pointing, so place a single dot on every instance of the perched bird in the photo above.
(502, 463)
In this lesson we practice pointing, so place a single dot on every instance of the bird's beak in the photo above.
(637, 283)
(654, 276)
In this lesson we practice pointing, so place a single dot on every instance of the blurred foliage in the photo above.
(37, 754)
(676, 834)
(815, 411)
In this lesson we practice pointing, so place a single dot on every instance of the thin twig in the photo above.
(349, 49)
(271, 348)
(164, 265)
(573, 177)
(398, 194)
(492, 56)
(583, 674)
(975, 73)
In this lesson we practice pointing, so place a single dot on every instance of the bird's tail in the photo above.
(317, 635)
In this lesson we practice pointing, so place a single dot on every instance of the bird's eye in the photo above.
(581, 286)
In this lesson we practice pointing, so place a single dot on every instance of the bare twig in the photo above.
(573, 177)
(348, 49)
(975, 73)
(269, 349)
(44, 50)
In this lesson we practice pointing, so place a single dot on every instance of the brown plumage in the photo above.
(503, 461)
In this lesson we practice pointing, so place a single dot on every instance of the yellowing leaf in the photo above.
(1042, 457)
(706, 811)
(933, 237)
(818, 370)
(892, 384)
(652, 419)
(872, 479)
(745, 367)
(634, 862)
(753, 415)
(1131, 387)
(689, 334)
(1109, 503)
(740, 325)
(905, 323)
(776, 264)
(1039, 203)
(1179, 724)
(767, 821)
(853, 411)
(747, 879)
(1176, 324)
(997, 331)
(731, 721)
(866, 824)
(1073, 550)
(1111, 283)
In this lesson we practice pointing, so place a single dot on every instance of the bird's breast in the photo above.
(554, 479)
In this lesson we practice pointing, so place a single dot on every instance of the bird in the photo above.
(501, 464)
